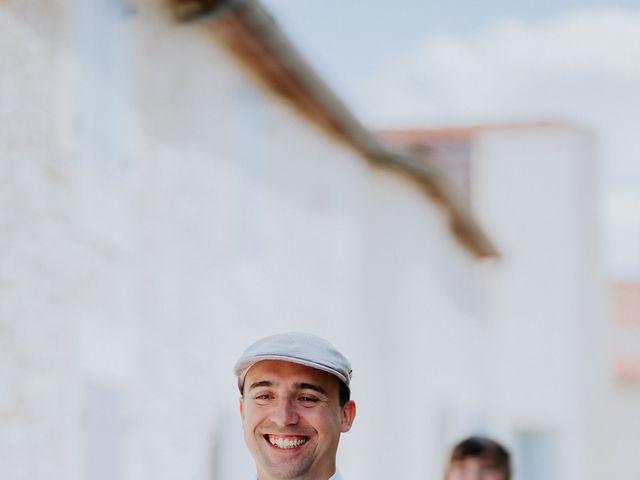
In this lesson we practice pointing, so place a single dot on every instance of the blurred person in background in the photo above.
(479, 458)
(294, 404)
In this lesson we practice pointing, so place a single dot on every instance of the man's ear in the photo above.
(242, 408)
(348, 415)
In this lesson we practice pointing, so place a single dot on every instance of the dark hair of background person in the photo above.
(483, 448)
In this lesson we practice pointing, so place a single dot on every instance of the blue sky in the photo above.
(573, 59)
(351, 38)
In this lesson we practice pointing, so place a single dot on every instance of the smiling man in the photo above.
(295, 402)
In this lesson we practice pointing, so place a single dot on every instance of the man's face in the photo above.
(292, 420)
(474, 468)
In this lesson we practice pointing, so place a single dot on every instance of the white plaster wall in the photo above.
(164, 212)
(38, 405)
(534, 191)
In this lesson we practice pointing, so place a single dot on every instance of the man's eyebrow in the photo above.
(311, 386)
(261, 383)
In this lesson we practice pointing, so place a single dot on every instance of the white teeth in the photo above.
(288, 442)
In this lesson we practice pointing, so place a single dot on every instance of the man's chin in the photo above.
(284, 472)
(285, 469)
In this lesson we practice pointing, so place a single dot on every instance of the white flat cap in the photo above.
(302, 348)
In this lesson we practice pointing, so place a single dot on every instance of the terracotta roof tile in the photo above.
(625, 303)
(625, 314)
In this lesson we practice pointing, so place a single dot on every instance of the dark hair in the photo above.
(484, 448)
(344, 394)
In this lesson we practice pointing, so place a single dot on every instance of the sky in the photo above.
(408, 63)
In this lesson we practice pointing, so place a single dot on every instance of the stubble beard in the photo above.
(297, 470)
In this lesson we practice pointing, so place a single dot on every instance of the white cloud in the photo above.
(576, 64)
(583, 66)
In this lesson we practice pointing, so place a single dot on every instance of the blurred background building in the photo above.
(178, 181)
(622, 412)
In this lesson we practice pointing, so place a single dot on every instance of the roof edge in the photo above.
(252, 34)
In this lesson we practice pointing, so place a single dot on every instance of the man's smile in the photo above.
(288, 442)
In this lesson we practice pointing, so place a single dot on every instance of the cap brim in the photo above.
(245, 365)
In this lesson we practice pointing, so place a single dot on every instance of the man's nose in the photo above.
(285, 413)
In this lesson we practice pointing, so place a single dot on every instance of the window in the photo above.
(100, 85)
(231, 459)
(535, 455)
(249, 158)
(104, 433)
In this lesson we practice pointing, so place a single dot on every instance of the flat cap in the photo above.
(302, 348)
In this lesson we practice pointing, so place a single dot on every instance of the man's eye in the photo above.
(263, 396)
(308, 400)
